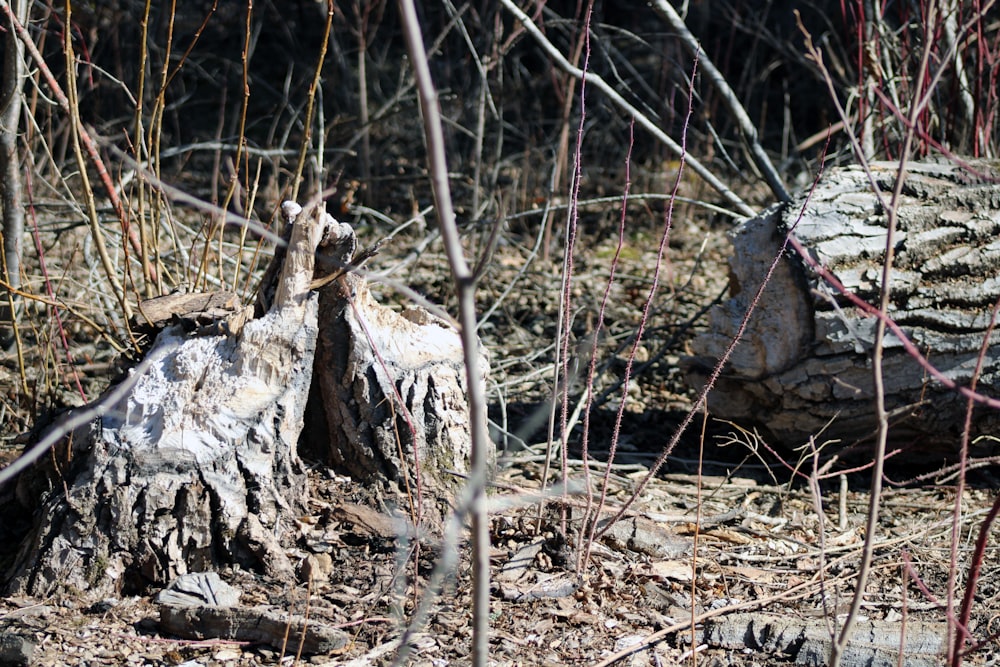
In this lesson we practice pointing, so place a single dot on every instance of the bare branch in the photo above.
(715, 77)
(594, 80)
(474, 498)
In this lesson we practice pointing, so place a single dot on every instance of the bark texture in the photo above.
(803, 367)
(197, 467)
(392, 387)
(793, 640)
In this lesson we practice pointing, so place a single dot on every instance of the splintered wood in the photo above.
(392, 386)
(197, 467)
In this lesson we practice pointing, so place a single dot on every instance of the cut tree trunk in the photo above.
(196, 467)
(803, 367)
(393, 392)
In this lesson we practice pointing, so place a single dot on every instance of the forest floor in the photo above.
(731, 555)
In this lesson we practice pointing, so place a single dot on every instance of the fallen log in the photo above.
(801, 641)
(803, 367)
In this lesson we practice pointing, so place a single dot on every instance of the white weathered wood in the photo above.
(199, 588)
(197, 466)
(803, 366)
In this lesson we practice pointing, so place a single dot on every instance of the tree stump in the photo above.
(393, 392)
(803, 367)
(197, 467)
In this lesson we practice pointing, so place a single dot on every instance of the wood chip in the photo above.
(217, 312)
(368, 522)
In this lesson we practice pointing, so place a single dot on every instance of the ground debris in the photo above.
(202, 606)
(645, 537)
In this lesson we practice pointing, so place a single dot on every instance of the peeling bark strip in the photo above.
(197, 466)
(211, 312)
(803, 367)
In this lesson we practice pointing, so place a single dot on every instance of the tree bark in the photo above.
(392, 389)
(197, 467)
(10, 173)
(803, 366)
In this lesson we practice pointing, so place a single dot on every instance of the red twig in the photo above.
(723, 360)
(592, 369)
(872, 311)
(970, 585)
(568, 251)
(668, 218)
